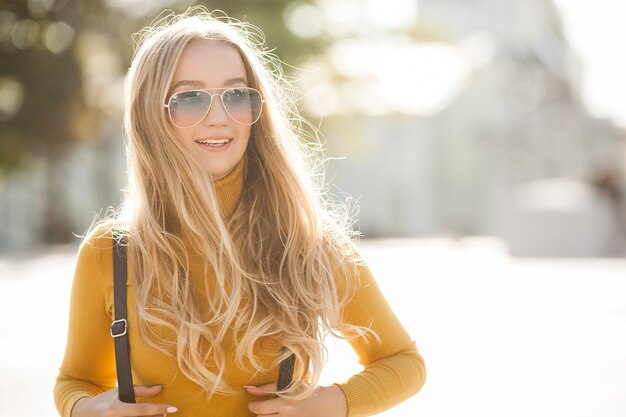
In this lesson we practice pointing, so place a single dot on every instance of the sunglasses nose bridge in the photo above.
(220, 104)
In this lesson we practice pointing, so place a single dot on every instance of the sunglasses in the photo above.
(188, 108)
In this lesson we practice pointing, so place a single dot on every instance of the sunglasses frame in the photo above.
(221, 95)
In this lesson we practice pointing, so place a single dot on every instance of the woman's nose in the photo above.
(217, 114)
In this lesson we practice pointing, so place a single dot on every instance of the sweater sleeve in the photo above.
(394, 370)
(88, 367)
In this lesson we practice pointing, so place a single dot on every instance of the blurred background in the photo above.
(483, 117)
(482, 140)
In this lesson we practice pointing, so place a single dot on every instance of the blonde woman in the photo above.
(236, 260)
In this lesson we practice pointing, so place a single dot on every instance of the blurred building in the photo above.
(516, 118)
(93, 175)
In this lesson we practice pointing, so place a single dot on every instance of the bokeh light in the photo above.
(11, 97)
(24, 33)
(58, 36)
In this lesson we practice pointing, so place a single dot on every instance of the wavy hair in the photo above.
(284, 262)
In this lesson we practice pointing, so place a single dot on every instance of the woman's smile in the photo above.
(214, 144)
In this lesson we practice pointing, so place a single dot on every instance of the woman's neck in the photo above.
(229, 189)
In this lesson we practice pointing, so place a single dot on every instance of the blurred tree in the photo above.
(58, 60)
(43, 102)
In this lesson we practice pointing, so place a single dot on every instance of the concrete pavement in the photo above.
(501, 336)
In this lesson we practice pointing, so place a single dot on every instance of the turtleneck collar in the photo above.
(229, 189)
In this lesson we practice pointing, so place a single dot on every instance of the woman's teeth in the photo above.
(214, 142)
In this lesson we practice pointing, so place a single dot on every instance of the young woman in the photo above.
(236, 260)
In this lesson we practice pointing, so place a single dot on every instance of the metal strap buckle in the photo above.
(119, 328)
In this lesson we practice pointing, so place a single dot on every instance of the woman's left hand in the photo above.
(325, 402)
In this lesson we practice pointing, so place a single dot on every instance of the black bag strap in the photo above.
(119, 330)
(285, 372)
(119, 327)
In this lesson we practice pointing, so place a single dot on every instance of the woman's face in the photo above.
(212, 66)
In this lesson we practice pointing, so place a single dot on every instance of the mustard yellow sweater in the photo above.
(393, 369)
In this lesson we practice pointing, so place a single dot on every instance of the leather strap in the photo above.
(119, 328)
(285, 372)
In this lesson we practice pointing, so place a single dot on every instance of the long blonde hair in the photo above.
(284, 262)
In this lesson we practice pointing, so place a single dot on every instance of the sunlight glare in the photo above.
(596, 32)
(401, 77)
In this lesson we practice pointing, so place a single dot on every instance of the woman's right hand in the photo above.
(108, 404)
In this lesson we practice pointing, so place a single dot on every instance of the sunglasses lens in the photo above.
(243, 104)
(189, 107)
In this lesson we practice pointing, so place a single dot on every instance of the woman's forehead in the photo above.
(206, 63)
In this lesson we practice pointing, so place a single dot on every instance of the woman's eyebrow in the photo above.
(238, 80)
(188, 82)
(195, 83)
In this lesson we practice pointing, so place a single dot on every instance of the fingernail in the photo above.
(172, 409)
(249, 386)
